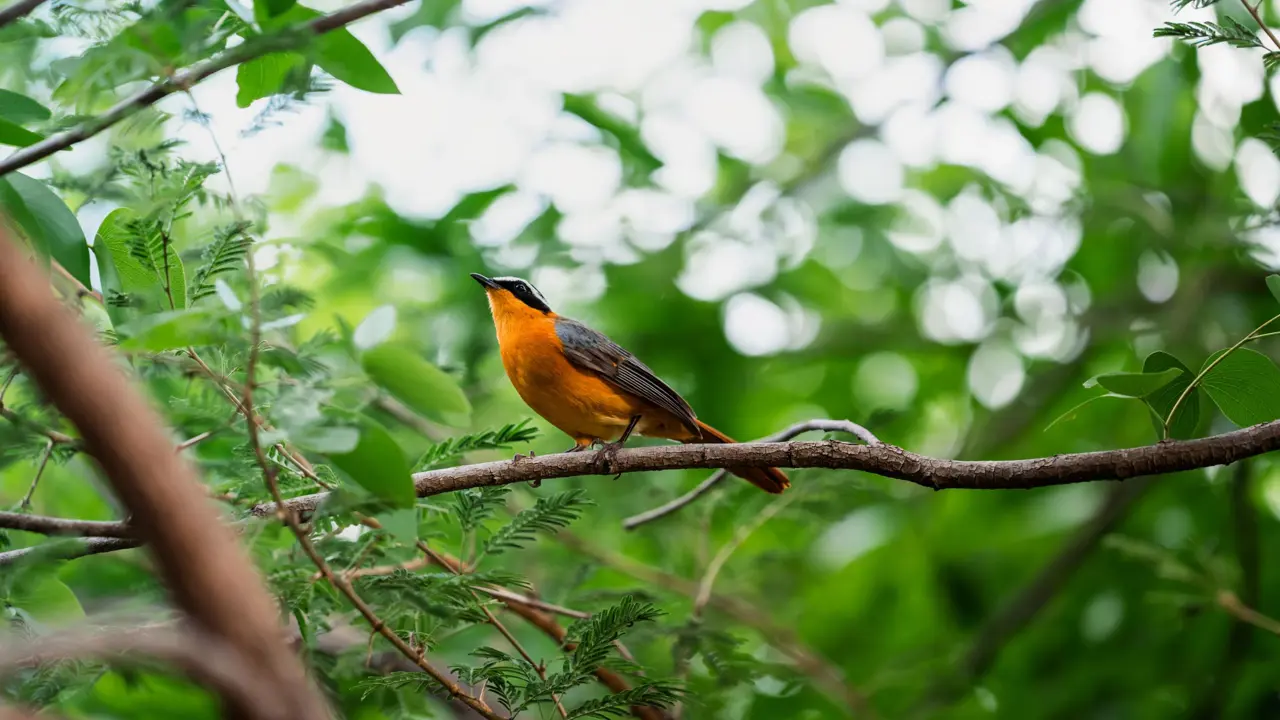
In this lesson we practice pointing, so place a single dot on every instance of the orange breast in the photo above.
(579, 403)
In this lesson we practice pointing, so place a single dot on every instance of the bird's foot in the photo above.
(606, 462)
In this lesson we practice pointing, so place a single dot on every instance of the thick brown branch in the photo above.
(208, 572)
(885, 460)
(185, 79)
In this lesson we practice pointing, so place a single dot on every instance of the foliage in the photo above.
(1000, 283)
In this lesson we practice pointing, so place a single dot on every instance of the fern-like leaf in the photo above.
(396, 680)
(595, 635)
(1202, 34)
(225, 254)
(547, 515)
(655, 694)
(475, 505)
(500, 438)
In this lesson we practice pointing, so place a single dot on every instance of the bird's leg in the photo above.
(606, 457)
(580, 444)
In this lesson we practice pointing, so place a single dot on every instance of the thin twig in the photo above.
(1253, 10)
(209, 574)
(290, 517)
(1229, 602)
(538, 667)
(717, 563)
(194, 440)
(825, 676)
(547, 624)
(8, 380)
(705, 486)
(44, 461)
(705, 586)
(184, 80)
(1195, 382)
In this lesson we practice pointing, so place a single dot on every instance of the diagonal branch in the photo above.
(207, 571)
(185, 79)
(15, 12)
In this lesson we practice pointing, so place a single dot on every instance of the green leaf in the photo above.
(549, 514)
(378, 465)
(326, 439)
(1134, 385)
(341, 55)
(417, 383)
(1070, 414)
(265, 76)
(170, 331)
(626, 135)
(44, 597)
(402, 524)
(1273, 284)
(140, 262)
(47, 222)
(1245, 386)
(21, 109)
(113, 238)
(14, 134)
(1161, 401)
(264, 10)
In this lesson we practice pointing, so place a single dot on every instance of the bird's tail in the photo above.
(770, 480)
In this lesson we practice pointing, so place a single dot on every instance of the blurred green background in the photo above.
(937, 219)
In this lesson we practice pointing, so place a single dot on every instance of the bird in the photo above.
(588, 386)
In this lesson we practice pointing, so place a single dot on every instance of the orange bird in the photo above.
(587, 385)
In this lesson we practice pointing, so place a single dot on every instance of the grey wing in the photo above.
(594, 351)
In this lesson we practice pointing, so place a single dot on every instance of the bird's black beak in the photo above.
(485, 281)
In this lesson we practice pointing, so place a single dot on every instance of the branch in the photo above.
(547, 624)
(61, 526)
(17, 11)
(884, 460)
(184, 80)
(705, 486)
(826, 677)
(207, 571)
(199, 655)
(290, 517)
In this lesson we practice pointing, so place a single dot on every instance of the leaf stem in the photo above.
(1195, 382)
(1257, 17)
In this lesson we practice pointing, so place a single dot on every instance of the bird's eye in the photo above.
(522, 288)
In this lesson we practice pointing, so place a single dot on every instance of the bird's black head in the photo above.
(523, 290)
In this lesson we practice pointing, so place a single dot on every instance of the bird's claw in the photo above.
(606, 462)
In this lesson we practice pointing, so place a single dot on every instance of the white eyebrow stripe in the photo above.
(514, 279)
